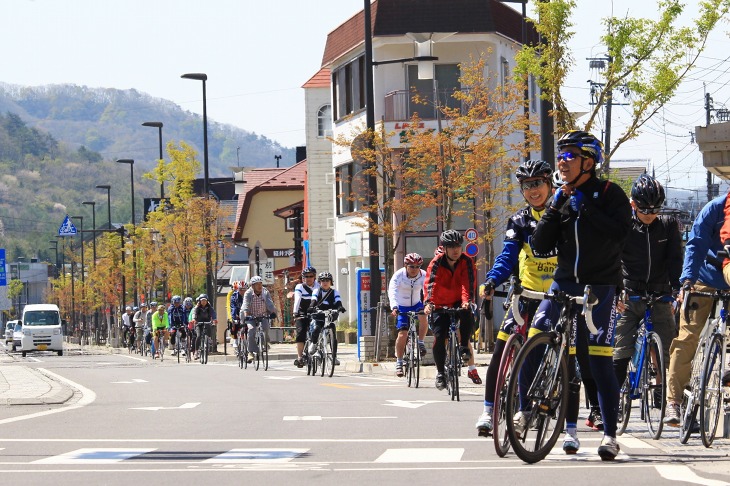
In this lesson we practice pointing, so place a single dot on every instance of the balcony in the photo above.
(399, 105)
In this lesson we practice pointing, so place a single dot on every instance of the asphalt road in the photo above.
(135, 420)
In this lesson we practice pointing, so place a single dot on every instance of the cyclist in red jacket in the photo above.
(450, 282)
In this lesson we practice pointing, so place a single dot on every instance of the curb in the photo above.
(59, 394)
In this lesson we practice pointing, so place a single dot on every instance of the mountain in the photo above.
(109, 121)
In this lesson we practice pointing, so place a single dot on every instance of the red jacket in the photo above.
(444, 287)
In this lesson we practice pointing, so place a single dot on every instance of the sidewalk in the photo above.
(21, 385)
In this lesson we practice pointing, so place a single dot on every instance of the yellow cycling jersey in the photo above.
(535, 273)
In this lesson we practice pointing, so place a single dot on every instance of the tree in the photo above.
(649, 57)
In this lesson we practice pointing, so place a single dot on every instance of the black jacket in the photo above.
(652, 257)
(589, 241)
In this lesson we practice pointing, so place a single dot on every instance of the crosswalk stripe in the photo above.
(430, 455)
(94, 456)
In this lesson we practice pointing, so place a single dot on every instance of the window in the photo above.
(324, 121)
(348, 88)
(291, 223)
(352, 188)
(446, 81)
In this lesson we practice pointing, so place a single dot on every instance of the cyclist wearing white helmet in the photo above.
(127, 324)
(405, 293)
(257, 302)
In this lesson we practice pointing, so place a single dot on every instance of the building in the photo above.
(454, 32)
(34, 275)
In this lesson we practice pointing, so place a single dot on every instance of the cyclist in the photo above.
(202, 313)
(588, 221)
(139, 321)
(535, 271)
(450, 282)
(302, 299)
(326, 297)
(257, 302)
(188, 306)
(651, 263)
(178, 320)
(405, 293)
(234, 324)
(127, 324)
(710, 232)
(160, 326)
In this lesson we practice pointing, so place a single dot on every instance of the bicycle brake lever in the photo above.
(589, 300)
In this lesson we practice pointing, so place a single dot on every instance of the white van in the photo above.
(41, 329)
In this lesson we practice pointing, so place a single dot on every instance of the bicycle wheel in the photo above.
(187, 349)
(264, 350)
(239, 351)
(711, 390)
(323, 352)
(257, 356)
(244, 350)
(328, 362)
(654, 386)
(499, 412)
(409, 362)
(162, 348)
(624, 406)
(178, 348)
(453, 378)
(546, 396)
(690, 401)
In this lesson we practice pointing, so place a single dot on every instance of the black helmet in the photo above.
(585, 141)
(324, 276)
(647, 193)
(451, 238)
(533, 168)
(309, 270)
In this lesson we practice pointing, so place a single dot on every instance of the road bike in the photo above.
(506, 365)
(160, 341)
(262, 343)
(543, 383)
(646, 379)
(205, 342)
(324, 359)
(454, 362)
(412, 357)
(179, 346)
(704, 395)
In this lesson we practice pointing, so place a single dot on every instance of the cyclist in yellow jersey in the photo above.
(535, 271)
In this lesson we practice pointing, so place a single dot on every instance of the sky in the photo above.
(258, 54)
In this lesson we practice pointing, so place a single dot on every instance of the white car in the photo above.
(17, 336)
(9, 328)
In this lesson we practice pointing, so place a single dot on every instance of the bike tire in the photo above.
(331, 357)
(499, 411)
(264, 350)
(241, 357)
(450, 368)
(554, 396)
(162, 348)
(654, 382)
(624, 406)
(323, 352)
(417, 361)
(409, 363)
(257, 356)
(177, 348)
(711, 390)
(188, 358)
(244, 351)
(690, 400)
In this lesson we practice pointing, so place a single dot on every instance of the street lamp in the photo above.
(93, 223)
(208, 270)
(83, 271)
(134, 251)
(158, 125)
(108, 202)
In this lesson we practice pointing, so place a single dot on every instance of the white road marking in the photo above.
(411, 403)
(35, 359)
(633, 443)
(318, 417)
(281, 377)
(134, 380)
(257, 456)
(428, 455)
(133, 357)
(557, 454)
(87, 397)
(685, 474)
(155, 409)
(93, 456)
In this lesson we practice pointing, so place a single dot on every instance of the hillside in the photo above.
(109, 121)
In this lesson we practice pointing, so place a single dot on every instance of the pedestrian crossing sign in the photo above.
(67, 228)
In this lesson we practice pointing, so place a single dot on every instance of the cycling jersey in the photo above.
(236, 304)
(445, 287)
(303, 297)
(326, 299)
(404, 291)
(705, 240)
(535, 272)
(203, 313)
(652, 258)
(177, 315)
(160, 321)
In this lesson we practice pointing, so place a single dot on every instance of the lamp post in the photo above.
(93, 224)
(208, 270)
(55, 248)
(108, 202)
(158, 125)
(83, 270)
(134, 251)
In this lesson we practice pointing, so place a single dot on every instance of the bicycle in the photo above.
(646, 379)
(547, 393)
(160, 340)
(454, 362)
(325, 357)
(262, 343)
(205, 342)
(505, 374)
(178, 345)
(707, 369)
(242, 349)
(412, 355)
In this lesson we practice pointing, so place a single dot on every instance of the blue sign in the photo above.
(67, 228)
(3, 276)
(472, 250)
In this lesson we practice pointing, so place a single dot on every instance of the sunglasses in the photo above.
(413, 266)
(309, 276)
(568, 156)
(526, 186)
(649, 210)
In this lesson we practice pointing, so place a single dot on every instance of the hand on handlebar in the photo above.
(428, 308)
(488, 291)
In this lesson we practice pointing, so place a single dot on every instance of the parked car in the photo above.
(17, 336)
(9, 328)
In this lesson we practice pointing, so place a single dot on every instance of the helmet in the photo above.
(135, 308)
(128, 308)
(309, 270)
(255, 280)
(533, 168)
(413, 259)
(324, 276)
(176, 299)
(647, 192)
(585, 141)
(202, 296)
(557, 179)
(188, 301)
(451, 238)
(153, 304)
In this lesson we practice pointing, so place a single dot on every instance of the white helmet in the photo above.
(256, 280)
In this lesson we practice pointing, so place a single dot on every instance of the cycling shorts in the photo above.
(527, 308)
(403, 321)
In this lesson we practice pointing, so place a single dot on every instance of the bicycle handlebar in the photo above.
(587, 300)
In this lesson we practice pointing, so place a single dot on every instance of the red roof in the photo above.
(319, 80)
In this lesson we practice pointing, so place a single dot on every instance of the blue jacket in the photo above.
(704, 240)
